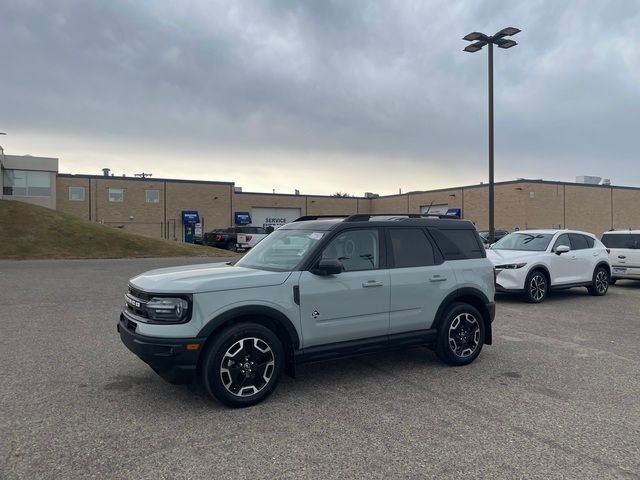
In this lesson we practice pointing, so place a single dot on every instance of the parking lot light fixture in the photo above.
(480, 40)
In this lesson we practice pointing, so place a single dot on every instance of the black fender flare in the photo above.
(605, 265)
(480, 301)
(253, 311)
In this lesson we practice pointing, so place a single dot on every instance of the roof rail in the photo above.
(304, 218)
(365, 217)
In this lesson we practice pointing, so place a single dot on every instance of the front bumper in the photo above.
(168, 357)
(510, 280)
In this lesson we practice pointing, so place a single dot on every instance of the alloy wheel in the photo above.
(538, 287)
(247, 367)
(602, 281)
(464, 335)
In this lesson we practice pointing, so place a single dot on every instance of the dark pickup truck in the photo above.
(228, 237)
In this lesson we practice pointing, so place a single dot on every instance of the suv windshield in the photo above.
(281, 251)
(536, 242)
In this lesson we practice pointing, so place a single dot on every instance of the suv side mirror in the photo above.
(327, 266)
(562, 249)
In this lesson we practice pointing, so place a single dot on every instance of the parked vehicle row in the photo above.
(497, 235)
(322, 288)
(234, 238)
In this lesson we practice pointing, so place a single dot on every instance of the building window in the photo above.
(116, 195)
(26, 183)
(76, 194)
(152, 196)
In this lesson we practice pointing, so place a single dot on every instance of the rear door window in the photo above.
(578, 242)
(411, 247)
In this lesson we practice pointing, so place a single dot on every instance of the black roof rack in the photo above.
(318, 217)
(364, 217)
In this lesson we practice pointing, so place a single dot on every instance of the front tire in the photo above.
(600, 283)
(461, 335)
(243, 365)
(536, 287)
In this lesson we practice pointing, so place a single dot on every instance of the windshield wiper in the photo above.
(531, 238)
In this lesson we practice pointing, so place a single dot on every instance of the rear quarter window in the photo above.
(590, 241)
(458, 244)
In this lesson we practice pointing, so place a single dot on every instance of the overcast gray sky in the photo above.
(322, 95)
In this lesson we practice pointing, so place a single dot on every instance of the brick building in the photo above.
(156, 207)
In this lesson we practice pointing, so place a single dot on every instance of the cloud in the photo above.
(380, 92)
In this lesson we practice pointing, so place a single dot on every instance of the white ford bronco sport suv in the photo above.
(315, 289)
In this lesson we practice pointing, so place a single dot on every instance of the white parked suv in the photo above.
(315, 289)
(533, 262)
(624, 253)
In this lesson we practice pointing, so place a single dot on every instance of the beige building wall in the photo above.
(212, 201)
(79, 208)
(452, 198)
(525, 204)
(626, 208)
(542, 205)
(244, 202)
(588, 208)
(317, 205)
(308, 204)
(390, 204)
(135, 215)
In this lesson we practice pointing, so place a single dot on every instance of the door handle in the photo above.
(437, 278)
(372, 283)
(621, 256)
(574, 257)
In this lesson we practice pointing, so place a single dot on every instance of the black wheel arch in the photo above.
(474, 297)
(271, 318)
(604, 265)
(544, 270)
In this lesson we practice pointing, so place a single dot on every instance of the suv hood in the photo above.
(205, 278)
(501, 257)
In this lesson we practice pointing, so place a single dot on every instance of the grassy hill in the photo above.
(32, 232)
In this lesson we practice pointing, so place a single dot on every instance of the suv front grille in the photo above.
(135, 301)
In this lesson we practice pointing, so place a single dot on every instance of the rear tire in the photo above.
(243, 365)
(600, 284)
(536, 287)
(461, 335)
(230, 245)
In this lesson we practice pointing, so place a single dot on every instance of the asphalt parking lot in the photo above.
(556, 396)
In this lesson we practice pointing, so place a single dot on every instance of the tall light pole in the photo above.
(480, 40)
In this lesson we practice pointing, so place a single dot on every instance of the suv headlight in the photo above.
(510, 266)
(167, 309)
